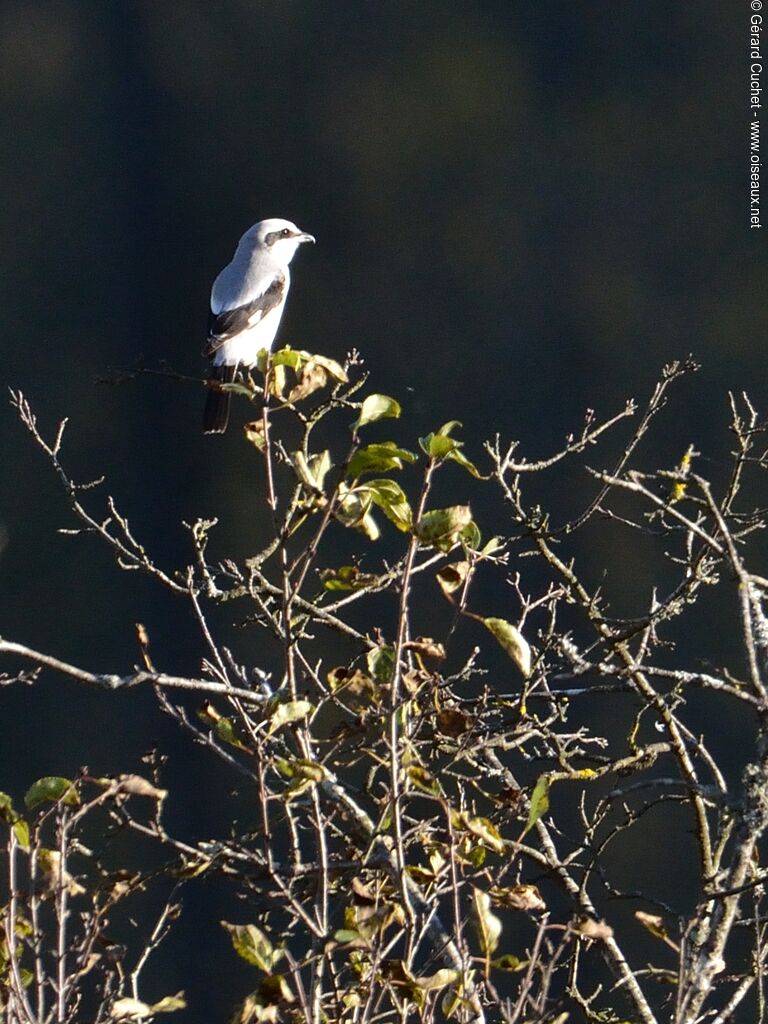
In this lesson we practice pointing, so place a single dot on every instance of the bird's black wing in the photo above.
(228, 323)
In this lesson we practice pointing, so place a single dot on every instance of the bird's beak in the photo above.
(304, 237)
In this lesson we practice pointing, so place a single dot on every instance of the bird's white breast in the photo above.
(244, 348)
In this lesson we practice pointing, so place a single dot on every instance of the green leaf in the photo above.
(347, 577)
(7, 812)
(381, 663)
(253, 946)
(539, 801)
(376, 407)
(492, 546)
(460, 459)
(509, 962)
(283, 357)
(21, 831)
(378, 458)
(470, 536)
(291, 711)
(51, 788)
(300, 769)
(348, 936)
(236, 388)
(448, 428)
(390, 498)
(437, 447)
(442, 526)
(440, 446)
(513, 642)
(225, 730)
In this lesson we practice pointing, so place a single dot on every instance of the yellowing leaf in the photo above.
(7, 812)
(484, 830)
(426, 647)
(354, 510)
(130, 1009)
(138, 786)
(656, 927)
(334, 369)
(377, 407)
(50, 862)
(291, 711)
(488, 925)
(520, 897)
(313, 471)
(438, 980)
(169, 1004)
(441, 527)
(591, 929)
(309, 378)
(451, 577)
(453, 722)
(254, 433)
(421, 779)
(513, 642)
(352, 681)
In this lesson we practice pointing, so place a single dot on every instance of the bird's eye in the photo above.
(285, 232)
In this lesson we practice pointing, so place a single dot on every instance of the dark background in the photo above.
(522, 210)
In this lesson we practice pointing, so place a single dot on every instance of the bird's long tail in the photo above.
(216, 414)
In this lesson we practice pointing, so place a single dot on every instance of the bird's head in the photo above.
(280, 238)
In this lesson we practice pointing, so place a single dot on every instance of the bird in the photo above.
(247, 302)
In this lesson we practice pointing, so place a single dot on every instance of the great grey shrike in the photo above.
(247, 301)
